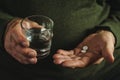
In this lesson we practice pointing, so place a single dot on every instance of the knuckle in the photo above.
(55, 56)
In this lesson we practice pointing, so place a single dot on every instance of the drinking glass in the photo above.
(38, 30)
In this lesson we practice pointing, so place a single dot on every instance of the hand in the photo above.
(100, 46)
(16, 43)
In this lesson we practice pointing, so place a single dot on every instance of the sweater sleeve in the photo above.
(4, 19)
(113, 21)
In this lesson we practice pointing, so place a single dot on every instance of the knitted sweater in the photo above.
(73, 21)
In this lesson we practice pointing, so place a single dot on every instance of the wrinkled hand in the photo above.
(100, 46)
(16, 43)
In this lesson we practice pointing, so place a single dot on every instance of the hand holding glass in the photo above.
(38, 30)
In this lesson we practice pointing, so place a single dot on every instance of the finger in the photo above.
(56, 56)
(30, 24)
(19, 37)
(20, 57)
(107, 53)
(24, 60)
(73, 63)
(17, 52)
(99, 61)
(61, 60)
(65, 52)
(10, 46)
(27, 52)
(32, 60)
(77, 51)
(87, 59)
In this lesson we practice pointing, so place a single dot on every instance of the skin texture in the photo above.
(16, 43)
(100, 46)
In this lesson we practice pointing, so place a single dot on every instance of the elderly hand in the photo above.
(16, 43)
(99, 45)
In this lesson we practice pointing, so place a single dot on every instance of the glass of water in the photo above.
(38, 30)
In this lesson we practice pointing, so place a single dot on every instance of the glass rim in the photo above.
(52, 22)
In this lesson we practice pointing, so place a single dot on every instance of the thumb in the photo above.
(107, 52)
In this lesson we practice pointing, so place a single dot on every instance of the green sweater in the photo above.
(73, 21)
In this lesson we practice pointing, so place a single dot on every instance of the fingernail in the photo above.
(33, 60)
(32, 54)
(24, 44)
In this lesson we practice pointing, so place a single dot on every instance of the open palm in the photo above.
(100, 45)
